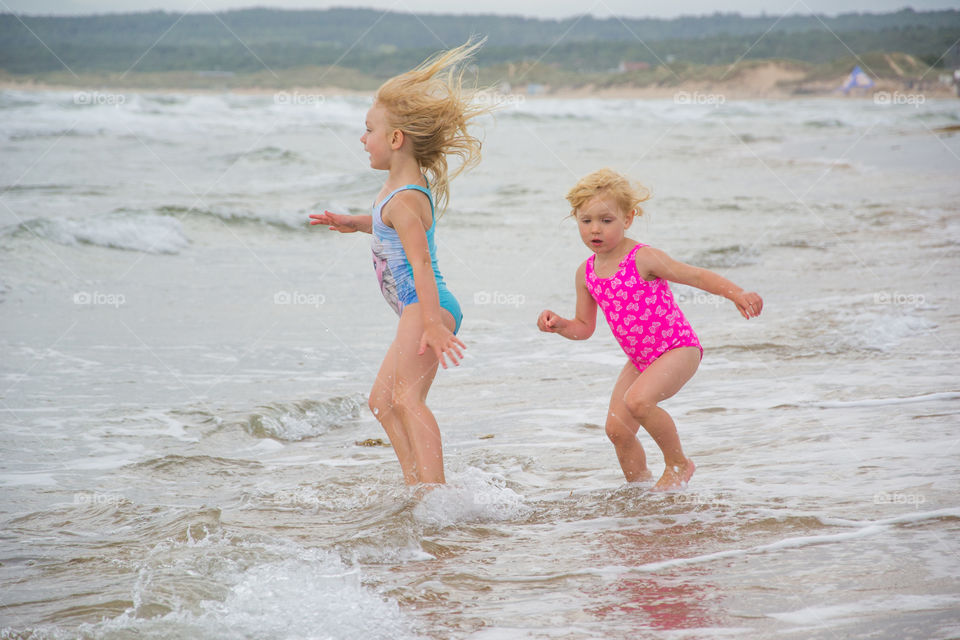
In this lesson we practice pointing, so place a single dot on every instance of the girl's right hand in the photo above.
(335, 221)
(549, 322)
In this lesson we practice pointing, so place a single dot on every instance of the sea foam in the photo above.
(472, 495)
(148, 233)
(254, 589)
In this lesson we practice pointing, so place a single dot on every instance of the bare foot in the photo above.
(676, 476)
(642, 476)
(421, 489)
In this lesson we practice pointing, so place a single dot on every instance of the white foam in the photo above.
(868, 529)
(291, 428)
(41, 479)
(272, 590)
(822, 615)
(134, 232)
(305, 419)
(883, 332)
(879, 402)
(472, 495)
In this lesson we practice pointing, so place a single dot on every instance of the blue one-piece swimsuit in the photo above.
(393, 269)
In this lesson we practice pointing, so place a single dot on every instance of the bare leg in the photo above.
(661, 380)
(622, 429)
(381, 404)
(412, 377)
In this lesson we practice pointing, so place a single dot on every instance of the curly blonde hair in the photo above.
(432, 108)
(608, 183)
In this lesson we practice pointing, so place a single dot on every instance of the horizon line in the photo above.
(573, 16)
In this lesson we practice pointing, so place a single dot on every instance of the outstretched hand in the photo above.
(444, 344)
(749, 304)
(335, 221)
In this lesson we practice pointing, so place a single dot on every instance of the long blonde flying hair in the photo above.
(431, 107)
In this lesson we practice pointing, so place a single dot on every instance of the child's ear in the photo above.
(396, 140)
(629, 218)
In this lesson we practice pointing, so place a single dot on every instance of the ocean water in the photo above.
(185, 366)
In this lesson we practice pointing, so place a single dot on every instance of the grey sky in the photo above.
(532, 8)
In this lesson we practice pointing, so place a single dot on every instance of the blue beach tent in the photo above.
(857, 80)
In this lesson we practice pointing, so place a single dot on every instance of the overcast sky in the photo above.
(532, 8)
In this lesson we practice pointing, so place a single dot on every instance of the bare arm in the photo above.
(658, 264)
(405, 218)
(342, 223)
(584, 322)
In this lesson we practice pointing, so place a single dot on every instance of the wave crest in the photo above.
(304, 419)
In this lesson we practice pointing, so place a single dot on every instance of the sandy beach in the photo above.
(765, 81)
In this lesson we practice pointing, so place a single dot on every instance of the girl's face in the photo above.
(377, 138)
(602, 224)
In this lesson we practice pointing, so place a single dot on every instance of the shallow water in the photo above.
(185, 367)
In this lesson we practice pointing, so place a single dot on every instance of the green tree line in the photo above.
(382, 43)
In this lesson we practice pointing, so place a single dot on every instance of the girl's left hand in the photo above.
(443, 343)
(749, 304)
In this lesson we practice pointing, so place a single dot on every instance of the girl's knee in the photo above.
(404, 401)
(639, 406)
(379, 402)
(399, 400)
(618, 432)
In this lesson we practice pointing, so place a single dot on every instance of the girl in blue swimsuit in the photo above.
(417, 119)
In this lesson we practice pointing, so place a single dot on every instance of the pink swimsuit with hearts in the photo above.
(642, 314)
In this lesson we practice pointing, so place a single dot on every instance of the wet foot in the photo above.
(676, 476)
(421, 489)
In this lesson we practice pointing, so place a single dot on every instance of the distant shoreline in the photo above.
(712, 95)
(774, 80)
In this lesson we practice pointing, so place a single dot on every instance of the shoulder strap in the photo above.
(631, 258)
(423, 190)
(408, 187)
(589, 268)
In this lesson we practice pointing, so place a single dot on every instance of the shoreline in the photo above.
(769, 80)
(687, 93)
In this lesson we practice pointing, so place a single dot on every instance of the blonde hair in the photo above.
(431, 107)
(608, 183)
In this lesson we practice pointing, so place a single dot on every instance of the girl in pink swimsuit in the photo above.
(628, 280)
